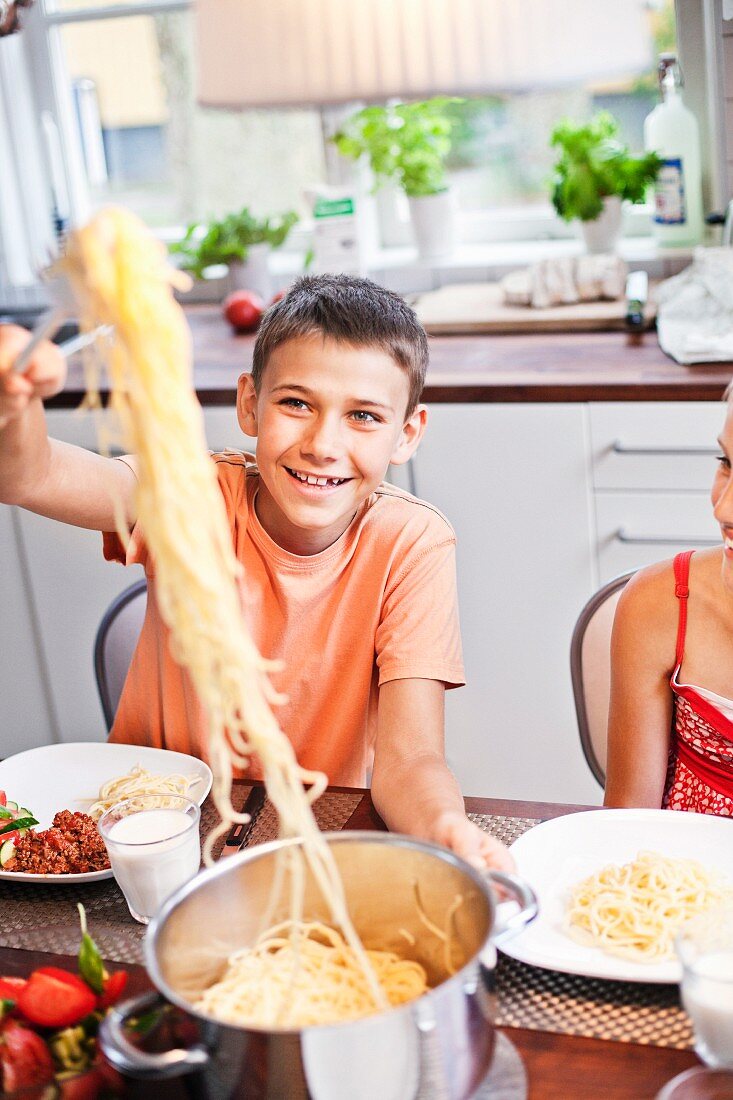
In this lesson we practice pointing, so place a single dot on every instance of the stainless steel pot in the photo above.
(439, 1045)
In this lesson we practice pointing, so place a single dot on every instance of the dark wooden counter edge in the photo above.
(547, 367)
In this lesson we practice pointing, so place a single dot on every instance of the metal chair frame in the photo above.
(109, 706)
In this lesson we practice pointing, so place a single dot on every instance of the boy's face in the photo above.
(329, 419)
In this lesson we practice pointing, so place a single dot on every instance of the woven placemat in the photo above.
(45, 917)
(569, 1004)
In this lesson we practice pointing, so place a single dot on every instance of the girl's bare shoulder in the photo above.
(648, 601)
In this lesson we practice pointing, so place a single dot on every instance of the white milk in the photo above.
(707, 994)
(152, 853)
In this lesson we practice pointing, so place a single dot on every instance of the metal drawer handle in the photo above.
(653, 540)
(620, 449)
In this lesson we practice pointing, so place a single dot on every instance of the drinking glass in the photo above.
(705, 949)
(154, 847)
(699, 1083)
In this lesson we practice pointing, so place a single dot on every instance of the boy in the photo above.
(350, 582)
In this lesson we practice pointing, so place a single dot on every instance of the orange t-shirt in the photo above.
(379, 604)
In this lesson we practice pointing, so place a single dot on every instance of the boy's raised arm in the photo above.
(54, 479)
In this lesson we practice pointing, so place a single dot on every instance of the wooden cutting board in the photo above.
(465, 308)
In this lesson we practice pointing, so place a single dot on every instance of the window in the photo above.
(115, 118)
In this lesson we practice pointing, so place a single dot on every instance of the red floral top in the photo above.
(700, 771)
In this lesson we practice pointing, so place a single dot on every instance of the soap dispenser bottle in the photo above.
(671, 130)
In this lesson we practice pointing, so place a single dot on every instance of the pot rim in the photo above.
(221, 867)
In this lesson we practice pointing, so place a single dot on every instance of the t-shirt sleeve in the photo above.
(231, 472)
(418, 634)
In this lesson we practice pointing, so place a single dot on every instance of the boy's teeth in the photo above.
(311, 479)
(728, 543)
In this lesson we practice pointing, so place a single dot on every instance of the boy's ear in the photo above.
(410, 436)
(247, 405)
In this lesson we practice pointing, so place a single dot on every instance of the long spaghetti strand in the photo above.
(121, 277)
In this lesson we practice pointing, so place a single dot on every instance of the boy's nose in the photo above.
(323, 439)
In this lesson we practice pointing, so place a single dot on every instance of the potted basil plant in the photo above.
(240, 240)
(408, 144)
(594, 174)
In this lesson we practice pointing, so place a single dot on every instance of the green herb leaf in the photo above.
(91, 966)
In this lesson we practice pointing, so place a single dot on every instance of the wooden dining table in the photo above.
(558, 1067)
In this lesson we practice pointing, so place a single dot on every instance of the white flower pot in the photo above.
(433, 224)
(602, 234)
(254, 273)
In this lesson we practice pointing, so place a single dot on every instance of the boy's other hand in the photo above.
(44, 376)
(455, 831)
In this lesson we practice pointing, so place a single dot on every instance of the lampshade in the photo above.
(287, 52)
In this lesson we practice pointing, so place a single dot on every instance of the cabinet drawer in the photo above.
(655, 445)
(635, 529)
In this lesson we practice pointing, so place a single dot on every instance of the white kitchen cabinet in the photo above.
(26, 717)
(653, 464)
(514, 481)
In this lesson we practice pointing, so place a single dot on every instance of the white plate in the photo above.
(68, 777)
(556, 854)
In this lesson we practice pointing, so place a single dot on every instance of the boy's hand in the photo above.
(455, 831)
(44, 376)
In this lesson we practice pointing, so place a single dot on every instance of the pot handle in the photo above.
(521, 892)
(127, 1058)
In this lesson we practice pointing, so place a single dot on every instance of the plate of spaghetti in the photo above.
(615, 887)
(64, 781)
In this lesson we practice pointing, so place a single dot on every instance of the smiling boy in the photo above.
(350, 582)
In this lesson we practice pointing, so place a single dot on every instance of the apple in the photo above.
(243, 310)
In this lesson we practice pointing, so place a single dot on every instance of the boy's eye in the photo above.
(724, 461)
(361, 416)
(293, 403)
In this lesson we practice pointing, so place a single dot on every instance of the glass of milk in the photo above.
(705, 949)
(154, 847)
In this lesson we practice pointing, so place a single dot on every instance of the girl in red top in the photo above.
(670, 732)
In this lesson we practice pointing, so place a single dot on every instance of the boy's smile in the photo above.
(329, 419)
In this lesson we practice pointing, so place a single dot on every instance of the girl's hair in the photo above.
(354, 311)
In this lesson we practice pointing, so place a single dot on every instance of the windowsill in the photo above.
(400, 270)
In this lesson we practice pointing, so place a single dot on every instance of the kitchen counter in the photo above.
(554, 367)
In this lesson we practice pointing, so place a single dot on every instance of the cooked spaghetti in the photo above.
(635, 910)
(121, 277)
(299, 975)
(139, 782)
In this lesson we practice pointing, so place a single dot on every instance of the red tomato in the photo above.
(92, 1084)
(113, 989)
(55, 998)
(278, 297)
(10, 988)
(25, 1058)
(3, 798)
(243, 310)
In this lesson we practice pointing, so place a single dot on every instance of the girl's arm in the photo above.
(640, 713)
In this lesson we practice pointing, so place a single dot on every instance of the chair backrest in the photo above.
(115, 643)
(590, 668)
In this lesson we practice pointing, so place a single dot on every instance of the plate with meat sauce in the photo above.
(57, 785)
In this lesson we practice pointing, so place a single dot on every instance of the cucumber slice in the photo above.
(24, 813)
(7, 851)
(11, 805)
(5, 814)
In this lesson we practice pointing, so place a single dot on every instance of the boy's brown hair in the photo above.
(354, 311)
